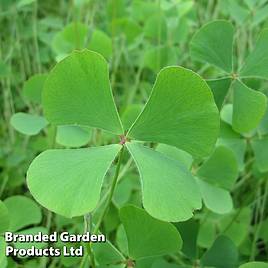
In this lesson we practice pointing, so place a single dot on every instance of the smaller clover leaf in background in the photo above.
(73, 136)
(260, 148)
(20, 213)
(220, 89)
(256, 64)
(213, 43)
(245, 101)
(106, 253)
(216, 178)
(28, 124)
(234, 141)
(31, 124)
(214, 256)
(180, 112)
(23, 212)
(76, 36)
(33, 87)
(158, 237)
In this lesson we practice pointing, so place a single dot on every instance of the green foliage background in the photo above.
(191, 191)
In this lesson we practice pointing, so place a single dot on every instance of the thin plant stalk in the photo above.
(105, 210)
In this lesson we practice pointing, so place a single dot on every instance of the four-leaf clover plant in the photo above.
(180, 112)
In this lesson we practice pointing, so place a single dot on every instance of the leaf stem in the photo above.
(105, 210)
(88, 227)
(111, 192)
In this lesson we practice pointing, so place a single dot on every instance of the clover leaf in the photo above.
(256, 64)
(23, 212)
(180, 112)
(28, 124)
(216, 178)
(213, 43)
(158, 237)
(214, 257)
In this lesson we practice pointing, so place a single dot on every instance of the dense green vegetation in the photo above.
(145, 121)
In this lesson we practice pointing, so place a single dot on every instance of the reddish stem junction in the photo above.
(123, 139)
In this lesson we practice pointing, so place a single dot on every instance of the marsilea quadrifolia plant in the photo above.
(180, 112)
(214, 43)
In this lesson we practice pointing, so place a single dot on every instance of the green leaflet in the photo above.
(32, 231)
(227, 113)
(261, 13)
(28, 124)
(106, 253)
(217, 176)
(155, 58)
(222, 254)
(175, 153)
(215, 198)
(256, 64)
(124, 189)
(129, 28)
(77, 91)
(155, 28)
(32, 88)
(219, 88)
(101, 43)
(73, 36)
(4, 217)
(180, 112)
(237, 12)
(249, 107)
(73, 136)
(189, 231)
(158, 237)
(239, 219)
(213, 43)
(121, 239)
(23, 212)
(233, 141)
(207, 234)
(169, 191)
(260, 148)
(263, 126)
(68, 181)
(220, 169)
